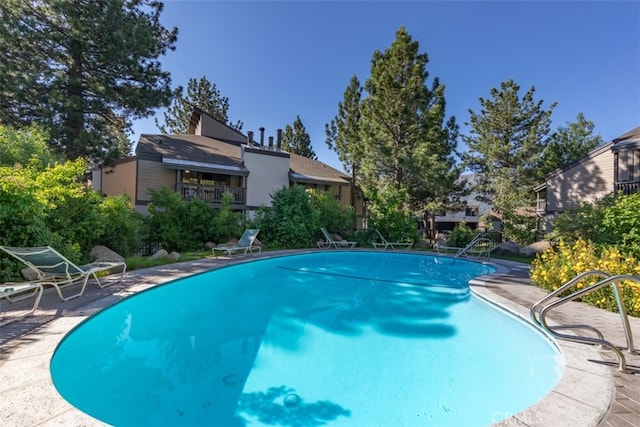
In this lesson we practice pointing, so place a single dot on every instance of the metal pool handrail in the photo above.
(608, 280)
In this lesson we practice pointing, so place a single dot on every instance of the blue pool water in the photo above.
(341, 338)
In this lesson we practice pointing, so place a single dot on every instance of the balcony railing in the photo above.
(212, 193)
(541, 206)
(628, 188)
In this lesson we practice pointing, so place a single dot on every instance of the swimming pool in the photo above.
(351, 338)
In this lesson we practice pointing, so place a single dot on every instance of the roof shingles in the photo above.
(203, 149)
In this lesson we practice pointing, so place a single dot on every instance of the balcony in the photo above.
(628, 188)
(541, 206)
(212, 193)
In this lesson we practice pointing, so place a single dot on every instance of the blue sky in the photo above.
(276, 60)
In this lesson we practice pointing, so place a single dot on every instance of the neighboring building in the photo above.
(611, 167)
(214, 159)
(471, 216)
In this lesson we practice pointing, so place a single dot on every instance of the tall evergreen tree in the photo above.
(296, 140)
(506, 141)
(201, 94)
(568, 143)
(83, 69)
(409, 144)
(343, 133)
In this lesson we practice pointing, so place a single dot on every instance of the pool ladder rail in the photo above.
(546, 304)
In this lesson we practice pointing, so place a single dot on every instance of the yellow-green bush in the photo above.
(558, 265)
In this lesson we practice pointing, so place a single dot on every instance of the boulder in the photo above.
(507, 248)
(231, 242)
(102, 253)
(159, 255)
(209, 245)
(536, 248)
(174, 256)
(29, 274)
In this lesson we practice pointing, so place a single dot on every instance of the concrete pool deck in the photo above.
(591, 392)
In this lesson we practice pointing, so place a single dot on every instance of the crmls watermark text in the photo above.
(528, 417)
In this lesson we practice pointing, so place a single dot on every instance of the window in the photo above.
(189, 177)
(471, 211)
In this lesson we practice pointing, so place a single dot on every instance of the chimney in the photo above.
(262, 137)
(250, 138)
(270, 143)
(279, 143)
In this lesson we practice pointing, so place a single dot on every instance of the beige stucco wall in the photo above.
(267, 173)
(153, 175)
(587, 181)
(118, 179)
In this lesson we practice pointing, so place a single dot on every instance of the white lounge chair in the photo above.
(480, 246)
(14, 292)
(384, 243)
(56, 270)
(245, 244)
(330, 242)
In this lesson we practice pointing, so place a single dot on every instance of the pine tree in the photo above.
(506, 142)
(201, 94)
(568, 143)
(409, 145)
(83, 70)
(296, 140)
(343, 133)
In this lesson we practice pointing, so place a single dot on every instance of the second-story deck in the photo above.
(212, 193)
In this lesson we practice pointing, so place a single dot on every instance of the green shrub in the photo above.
(48, 206)
(612, 220)
(290, 221)
(461, 235)
(21, 146)
(175, 224)
(76, 217)
(386, 214)
(621, 222)
(226, 223)
(364, 238)
(23, 217)
(51, 206)
(330, 213)
(585, 222)
(123, 233)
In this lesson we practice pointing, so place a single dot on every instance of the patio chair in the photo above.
(14, 292)
(56, 270)
(480, 246)
(384, 243)
(245, 244)
(330, 242)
